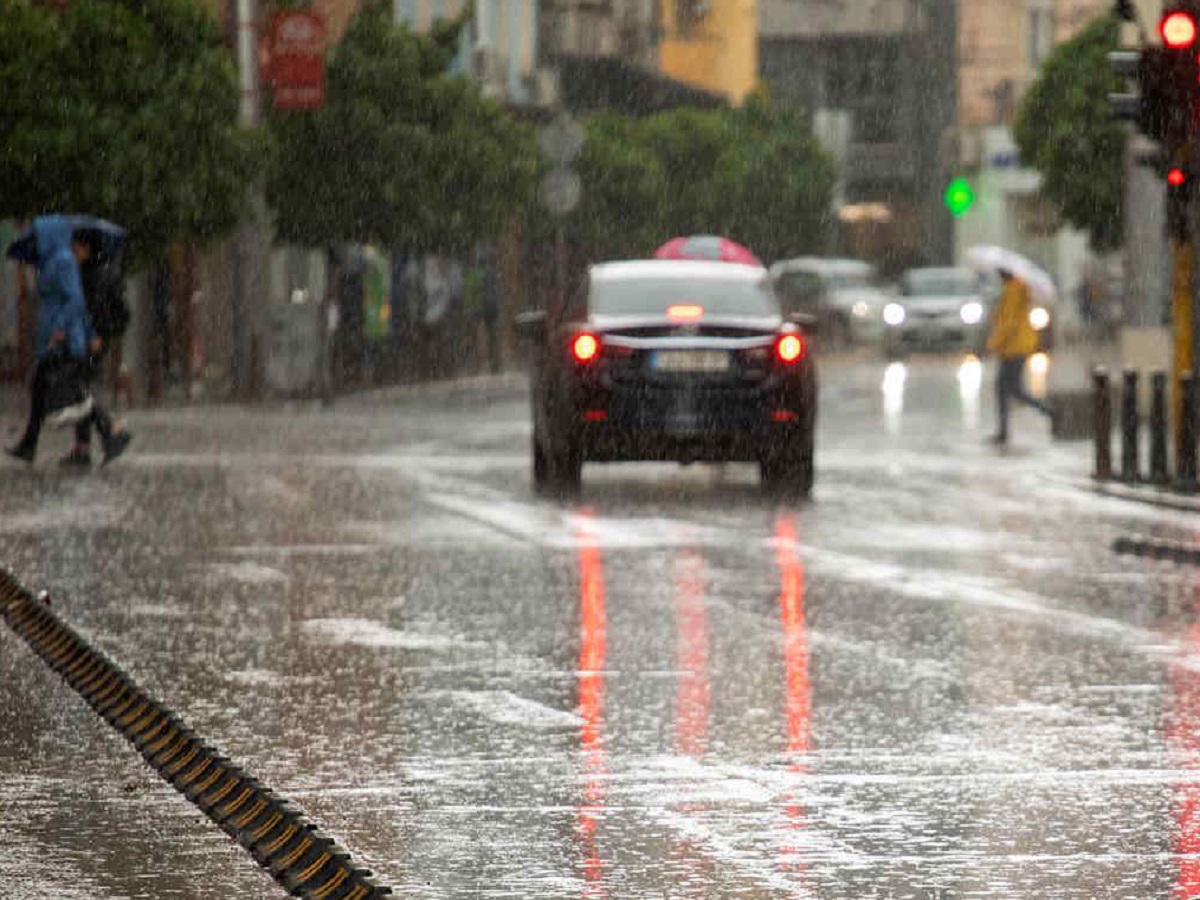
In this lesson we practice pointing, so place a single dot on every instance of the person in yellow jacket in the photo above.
(1013, 340)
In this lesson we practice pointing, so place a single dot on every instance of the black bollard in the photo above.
(1129, 427)
(1102, 423)
(1158, 428)
(1185, 464)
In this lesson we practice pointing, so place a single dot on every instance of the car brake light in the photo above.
(790, 348)
(585, 347)
(685, 312)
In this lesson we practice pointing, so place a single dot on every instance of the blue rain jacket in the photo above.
(61, 305)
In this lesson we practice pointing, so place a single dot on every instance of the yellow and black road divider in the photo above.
(297, 855)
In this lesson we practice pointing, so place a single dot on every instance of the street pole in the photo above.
(244, 302)
(1191, 338)
(1185, 300)
(560, 270)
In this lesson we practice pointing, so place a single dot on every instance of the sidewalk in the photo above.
(14, 398)
(1161, 497)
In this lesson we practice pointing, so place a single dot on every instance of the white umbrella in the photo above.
(993, 258)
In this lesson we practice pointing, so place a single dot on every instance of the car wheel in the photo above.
(840, 335)
(570, 472)
(790, 474)
(541, 467)
(557, 466)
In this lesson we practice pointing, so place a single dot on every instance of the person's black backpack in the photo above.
(104, 290)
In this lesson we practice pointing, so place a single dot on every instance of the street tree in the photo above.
(1064, 130)
(124, 109)
(754, 174)
(620, 216)
(776, 183)
(403, 153)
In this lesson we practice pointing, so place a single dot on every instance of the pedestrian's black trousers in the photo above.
(37, 407)
(1010, 383)
(98, 416)
(37, 412)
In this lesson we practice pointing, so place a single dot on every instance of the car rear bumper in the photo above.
(681, 424)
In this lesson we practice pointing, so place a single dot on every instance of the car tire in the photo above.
(790, 475)
(841, 335)
(557, 467)
(541, 467)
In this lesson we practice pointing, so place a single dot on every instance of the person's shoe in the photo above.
(78, 458)
(115, 446)
(24, 454)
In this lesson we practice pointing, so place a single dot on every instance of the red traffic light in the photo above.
(1178, 30)
(1176, 177)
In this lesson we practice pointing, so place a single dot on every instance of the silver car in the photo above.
(937, 309)
(843, 295)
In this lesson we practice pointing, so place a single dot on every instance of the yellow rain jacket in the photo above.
(1012, 335)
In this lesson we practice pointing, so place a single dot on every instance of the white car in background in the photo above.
(938, 308)
(843, 295)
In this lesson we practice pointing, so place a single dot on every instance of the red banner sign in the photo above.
(296, 59)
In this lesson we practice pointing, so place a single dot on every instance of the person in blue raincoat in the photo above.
(63, 328)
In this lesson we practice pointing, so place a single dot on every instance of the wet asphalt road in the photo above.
(932, 681)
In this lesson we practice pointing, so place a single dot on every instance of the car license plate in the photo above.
(692, 361)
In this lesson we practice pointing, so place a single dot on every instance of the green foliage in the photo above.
(621, 213)
(126, 109)
(753, 174)
(1064, 130)
(402, 154)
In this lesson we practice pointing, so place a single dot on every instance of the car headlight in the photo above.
(972, 313)
(861, 309)
(893, 314)
(1039, 318)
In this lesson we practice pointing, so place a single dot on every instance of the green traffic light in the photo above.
(959, 196)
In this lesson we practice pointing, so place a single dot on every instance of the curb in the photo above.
(437, 390)
(1157, 497)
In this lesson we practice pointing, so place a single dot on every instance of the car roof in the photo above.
(641, 269)
(941, 270)
(823, 265)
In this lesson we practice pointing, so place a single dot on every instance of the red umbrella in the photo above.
(707, 246)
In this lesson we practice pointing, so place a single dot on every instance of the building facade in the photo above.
(1001, 48)
(609, 56)
(878, 78)
(711, 44)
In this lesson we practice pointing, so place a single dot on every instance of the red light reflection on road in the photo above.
(1183, 736)
(593, 624)
(692, 692)
(797, 688)
(795, 635)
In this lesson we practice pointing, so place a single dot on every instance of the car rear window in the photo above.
(653, 296)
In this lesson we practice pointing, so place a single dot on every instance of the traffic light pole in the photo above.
(1189, 336)
(1185, 310)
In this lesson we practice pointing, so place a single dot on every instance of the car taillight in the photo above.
(790, 348)
(585, 347)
